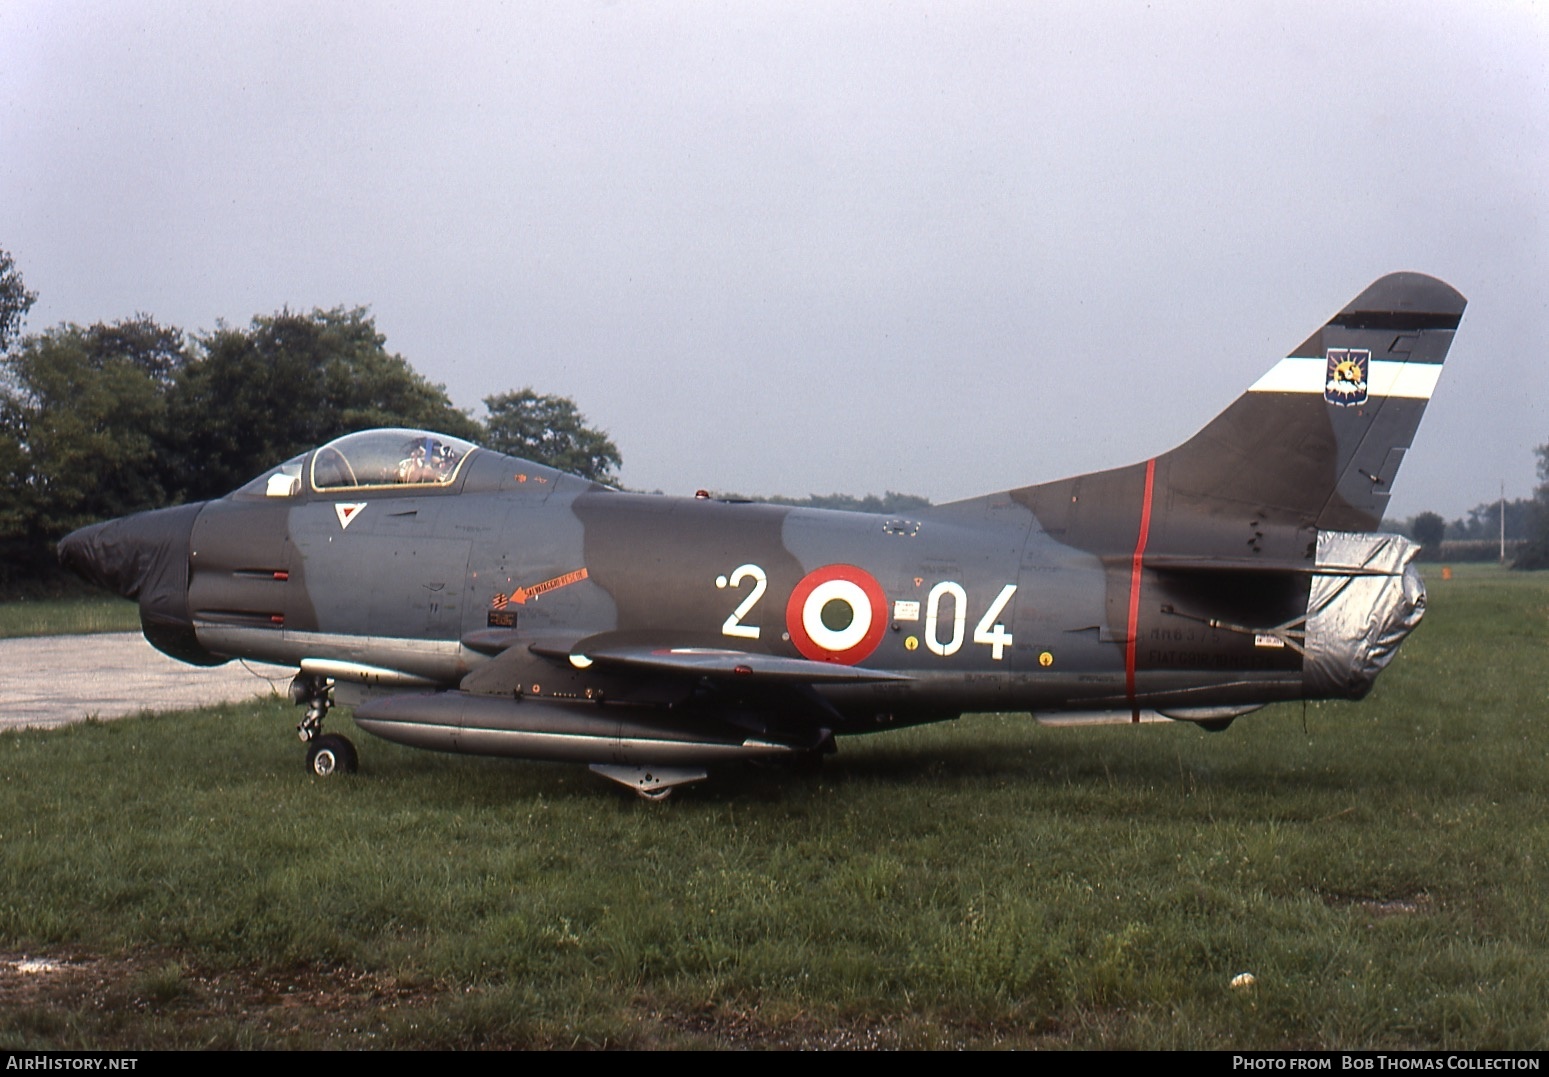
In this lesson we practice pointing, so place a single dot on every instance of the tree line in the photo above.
(1478, 536)
(1534, 553)
(103, 420)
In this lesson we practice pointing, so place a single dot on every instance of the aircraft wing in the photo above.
(539, 700)
(648, 668)
(713, 662)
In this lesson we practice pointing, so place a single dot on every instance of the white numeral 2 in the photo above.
(734, 625)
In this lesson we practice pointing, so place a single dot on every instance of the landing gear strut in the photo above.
(327, 753)
(316, 693)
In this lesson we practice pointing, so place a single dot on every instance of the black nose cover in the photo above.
(145, 557)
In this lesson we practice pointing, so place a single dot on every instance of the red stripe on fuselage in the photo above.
(1134, 592)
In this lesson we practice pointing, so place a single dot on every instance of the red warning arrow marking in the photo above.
(522, 594)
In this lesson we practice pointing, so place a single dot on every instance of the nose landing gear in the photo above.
(327, 753)
(331, 754)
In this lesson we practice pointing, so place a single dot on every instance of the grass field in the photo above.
(1378, 868)
(67, 616)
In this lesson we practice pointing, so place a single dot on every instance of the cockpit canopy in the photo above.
(369, 459)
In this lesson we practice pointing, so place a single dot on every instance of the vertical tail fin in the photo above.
(1313, 445)
(1321, 436)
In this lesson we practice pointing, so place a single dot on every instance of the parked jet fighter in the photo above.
(468, 601)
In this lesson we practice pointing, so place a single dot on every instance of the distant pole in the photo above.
(1503, 522)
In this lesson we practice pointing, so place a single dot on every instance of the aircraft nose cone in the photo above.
(144, 552)
(82, 552)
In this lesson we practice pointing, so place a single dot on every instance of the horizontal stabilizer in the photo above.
(1177, 563)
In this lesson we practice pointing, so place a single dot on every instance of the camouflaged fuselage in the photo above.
(499, 605)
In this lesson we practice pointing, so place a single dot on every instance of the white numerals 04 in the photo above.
(734, 625)
(989, 631)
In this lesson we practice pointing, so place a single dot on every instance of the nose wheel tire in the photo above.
(331, 754)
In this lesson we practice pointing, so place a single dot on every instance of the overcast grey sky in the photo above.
(791, 248)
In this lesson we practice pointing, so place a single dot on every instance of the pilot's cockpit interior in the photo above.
(370, 459)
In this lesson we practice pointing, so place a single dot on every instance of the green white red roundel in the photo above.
(837, 613)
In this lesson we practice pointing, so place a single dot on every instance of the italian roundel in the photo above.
(837, 613)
